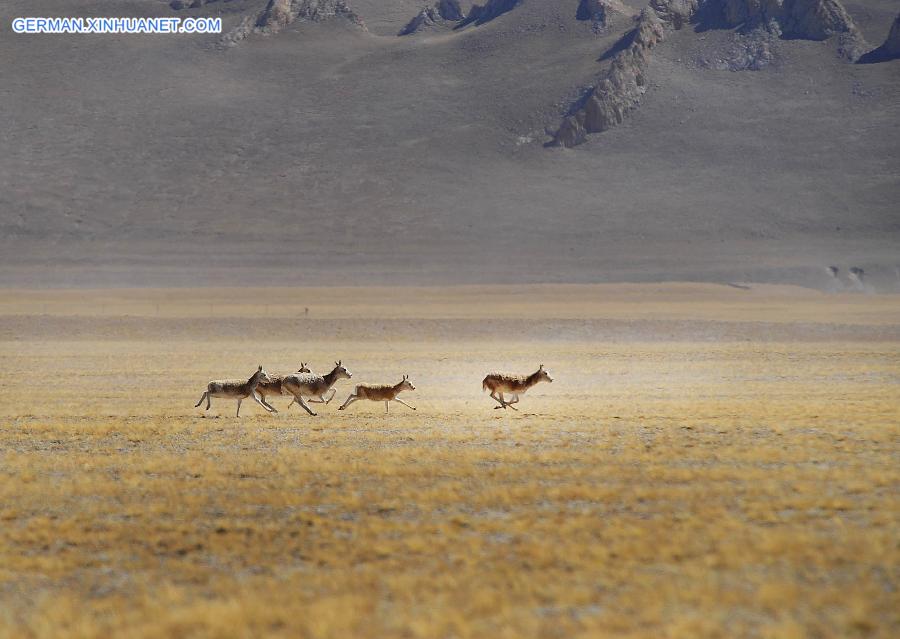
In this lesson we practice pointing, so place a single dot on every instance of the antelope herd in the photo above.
(306, 384)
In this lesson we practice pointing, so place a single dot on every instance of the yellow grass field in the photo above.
(709, 462)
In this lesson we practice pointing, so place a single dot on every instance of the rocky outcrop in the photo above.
(600, 12)
(806, 19)
(280, 13)
(480, 14)
(811, 19)
(620, 89)
(442, 13)
(675, 13)
(622, 86)
(752, 50)
(890, 50)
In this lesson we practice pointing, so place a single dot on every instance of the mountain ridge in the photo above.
(328, 153)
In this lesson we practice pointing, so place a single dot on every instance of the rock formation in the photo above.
(599, 12)
(479, 14)
(443, 12)
(751, 50)
(620, 89)
(280, 13)
(675, 13)
(812, 19)
(890, 50)
(806, 19)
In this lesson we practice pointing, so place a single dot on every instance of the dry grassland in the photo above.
(710, 462)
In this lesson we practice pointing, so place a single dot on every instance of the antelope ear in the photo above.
(260, 368)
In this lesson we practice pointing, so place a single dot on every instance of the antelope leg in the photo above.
(303, 405)
(262, 402)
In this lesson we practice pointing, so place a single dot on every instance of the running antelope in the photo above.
(237, 389)
(381, 393)
(274, 387)
(302, 385)
(499, 383)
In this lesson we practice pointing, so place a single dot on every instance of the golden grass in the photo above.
(671, 489)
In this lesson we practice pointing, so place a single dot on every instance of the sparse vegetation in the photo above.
(669, 489)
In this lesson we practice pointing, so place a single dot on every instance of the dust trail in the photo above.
(858, 280)
(834, 282)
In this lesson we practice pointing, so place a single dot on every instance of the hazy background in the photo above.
(327, 154)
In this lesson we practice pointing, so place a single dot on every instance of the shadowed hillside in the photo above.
(321, 147)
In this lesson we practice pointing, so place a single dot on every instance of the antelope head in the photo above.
(542, 375)
(406, 384)
(341, 372)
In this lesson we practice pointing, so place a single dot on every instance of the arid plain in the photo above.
(710, 461)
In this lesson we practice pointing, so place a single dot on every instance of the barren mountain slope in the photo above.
(329, 153)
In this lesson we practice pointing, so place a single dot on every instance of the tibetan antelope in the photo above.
(499, 383)
(381, 393)
(237, 389)
(302, 385)
(273, 387)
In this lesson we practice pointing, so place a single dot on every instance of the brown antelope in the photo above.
(499, 383)
(237, 389)
(302, 385)
(273, 387)
(381, 393)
